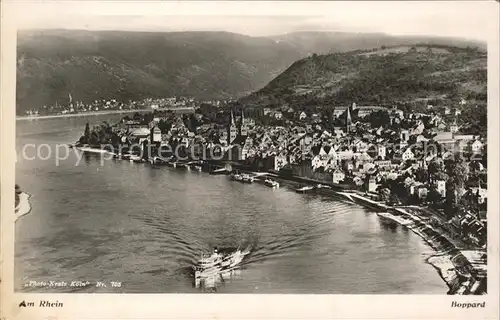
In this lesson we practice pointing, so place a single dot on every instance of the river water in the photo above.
(145, 227)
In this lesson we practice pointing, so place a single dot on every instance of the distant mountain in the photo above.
(309, 42)
(133, 65)
(382, 76)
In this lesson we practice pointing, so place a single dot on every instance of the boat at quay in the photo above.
(271, 183)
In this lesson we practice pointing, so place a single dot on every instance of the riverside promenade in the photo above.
(463, 270)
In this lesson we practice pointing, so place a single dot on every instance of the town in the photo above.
(426, 159)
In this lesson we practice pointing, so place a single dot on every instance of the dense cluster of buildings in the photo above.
(412, 158)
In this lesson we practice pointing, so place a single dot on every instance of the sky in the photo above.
(463, 19)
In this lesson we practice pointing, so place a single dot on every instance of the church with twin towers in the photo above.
(232, 133)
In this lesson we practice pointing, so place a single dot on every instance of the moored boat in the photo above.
(248, 178)
(304, 189)
(92, 150)
(135, 158)
(322, 186)
(236, 177)
(271, 183)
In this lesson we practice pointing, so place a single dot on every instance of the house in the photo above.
(477, 147)
(322, 153)
(140, 134)
(421, 138)
(381, 151)
(346, 154)
(318, 162)
(156, 134)
(302, 115)
(280, 161)
(405, 136)
(364, 111)
(368, 166)
(408, 155)
(361, 146)
(441, 187)
(418, 128)
(278, 115)
(349, 166)
(463, 141)
(383, 164)
(326, 135)
(447, 155)
(338, 176)
(422, 192)
(339, 133)
(247, 147)
(223, 136)
(306, 140)
(372, 185)
(398, 113)
(454, 128)
(363, 158)
(445, 139)
(481, 192)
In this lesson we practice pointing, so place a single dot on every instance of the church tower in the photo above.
(348, 120)
(244, 125)
(233, 131)
(454, 127)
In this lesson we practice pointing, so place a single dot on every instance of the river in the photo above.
(145, 227)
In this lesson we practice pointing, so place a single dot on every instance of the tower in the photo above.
(233, 131)
(244, 127)
(348, 120)
(454, 127)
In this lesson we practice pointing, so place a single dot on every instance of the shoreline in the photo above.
(71, 115)
(458, 278)
(97, 113)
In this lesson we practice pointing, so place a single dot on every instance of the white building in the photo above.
(405, 136)
(338, 176)
(441, 187)
(372, 185)
(477, 147)
(156, 134)
(408, 155)
(247, 147)
(381, 151)
(483, 194)
(279, 161)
